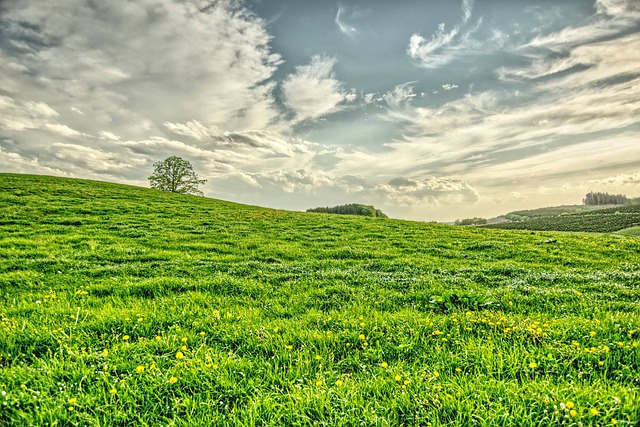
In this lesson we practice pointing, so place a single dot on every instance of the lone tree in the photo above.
(175, 174)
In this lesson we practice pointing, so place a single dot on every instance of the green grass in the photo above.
(123, 306)
(631, 231)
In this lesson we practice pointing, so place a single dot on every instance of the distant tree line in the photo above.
(606, 199)
(471, 221)
(351, 209)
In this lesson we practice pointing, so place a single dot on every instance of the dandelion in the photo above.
(614, 421)
(533, 365)
(183, 348)
(569, 405)
(73, 401)
(113, 391)
(594, 411)
(125, 338)
(202, 333)
(173, 380)
(573, 412)
(184, 339)
(592, 334)
(384, 364)
(458, 370)
(276, 329)
(398, 378)
(318, 383)
(140, 319)
(105, 352)
(289, 347)
(339, 383)
(140, 369)
(361, 336)
(318, 357)
(179, 355)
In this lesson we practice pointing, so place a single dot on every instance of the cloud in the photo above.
(312, 91)
(344, 28)
(632, 179)
(412, 192)
(400, 96)
(444, 46)
(132, 67)
(193, 129)
(612, 17)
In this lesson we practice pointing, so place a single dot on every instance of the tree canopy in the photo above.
(351, 209)
(605, 199)
(175, 174)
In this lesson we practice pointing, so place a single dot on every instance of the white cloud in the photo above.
(344, 28)
(312, 91)
(193, 129)
(617, 181)
(400, 96)
(418, 192)
(132, 67)
(63, 130)
(444, 46)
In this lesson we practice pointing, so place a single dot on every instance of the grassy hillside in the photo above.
(591, 220)
(129, 306)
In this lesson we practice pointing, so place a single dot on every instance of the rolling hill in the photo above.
(122, 305)
(585, 219)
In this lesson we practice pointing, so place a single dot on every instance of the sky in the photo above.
(429, 110)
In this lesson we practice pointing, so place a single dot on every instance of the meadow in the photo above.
(124, 306)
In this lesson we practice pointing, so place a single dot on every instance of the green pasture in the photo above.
(126, 306)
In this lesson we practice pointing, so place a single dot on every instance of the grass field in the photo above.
(123, 306)
(592, 219)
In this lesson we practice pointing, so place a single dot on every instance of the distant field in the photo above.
(551, 211)
(632, 231)
(125, 306)
(604, 220)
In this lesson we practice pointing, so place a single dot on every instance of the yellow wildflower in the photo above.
(173, 380)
